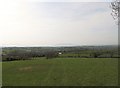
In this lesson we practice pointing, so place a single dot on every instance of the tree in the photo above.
(51, 54)
(115, 5)
(17, 55)
(95, 54)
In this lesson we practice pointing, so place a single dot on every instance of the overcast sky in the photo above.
(35, 23)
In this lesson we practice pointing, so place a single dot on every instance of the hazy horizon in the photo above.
(56, 46)
(29, 23)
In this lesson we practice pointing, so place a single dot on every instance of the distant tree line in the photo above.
(27, 53)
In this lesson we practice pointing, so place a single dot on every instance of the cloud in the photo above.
(26, 23)
(69, 0)
(67, 10)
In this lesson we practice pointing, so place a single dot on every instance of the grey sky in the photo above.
(57, 23)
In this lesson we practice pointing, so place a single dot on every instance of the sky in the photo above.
(56, 23)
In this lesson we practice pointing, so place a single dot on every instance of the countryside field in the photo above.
(61, 72)
(0, 73)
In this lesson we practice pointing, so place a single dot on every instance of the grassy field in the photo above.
(61, 72)
(0, 73)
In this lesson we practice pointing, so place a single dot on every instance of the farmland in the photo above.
(61, 72)
(0, 74)
(26, 53)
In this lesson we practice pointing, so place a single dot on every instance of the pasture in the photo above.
(61, 72)
(0, 73)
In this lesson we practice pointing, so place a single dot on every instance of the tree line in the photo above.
(27, 53)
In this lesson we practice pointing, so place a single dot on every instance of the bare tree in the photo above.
(115, 5)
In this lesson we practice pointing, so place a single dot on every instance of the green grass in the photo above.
(61, 72)
(0, 73)
(74, 55)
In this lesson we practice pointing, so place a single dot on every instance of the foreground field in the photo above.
(61, 72)
(0, 73)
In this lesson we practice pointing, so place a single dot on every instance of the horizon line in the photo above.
(59, 45)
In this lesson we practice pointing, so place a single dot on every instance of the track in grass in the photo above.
(61, 72)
